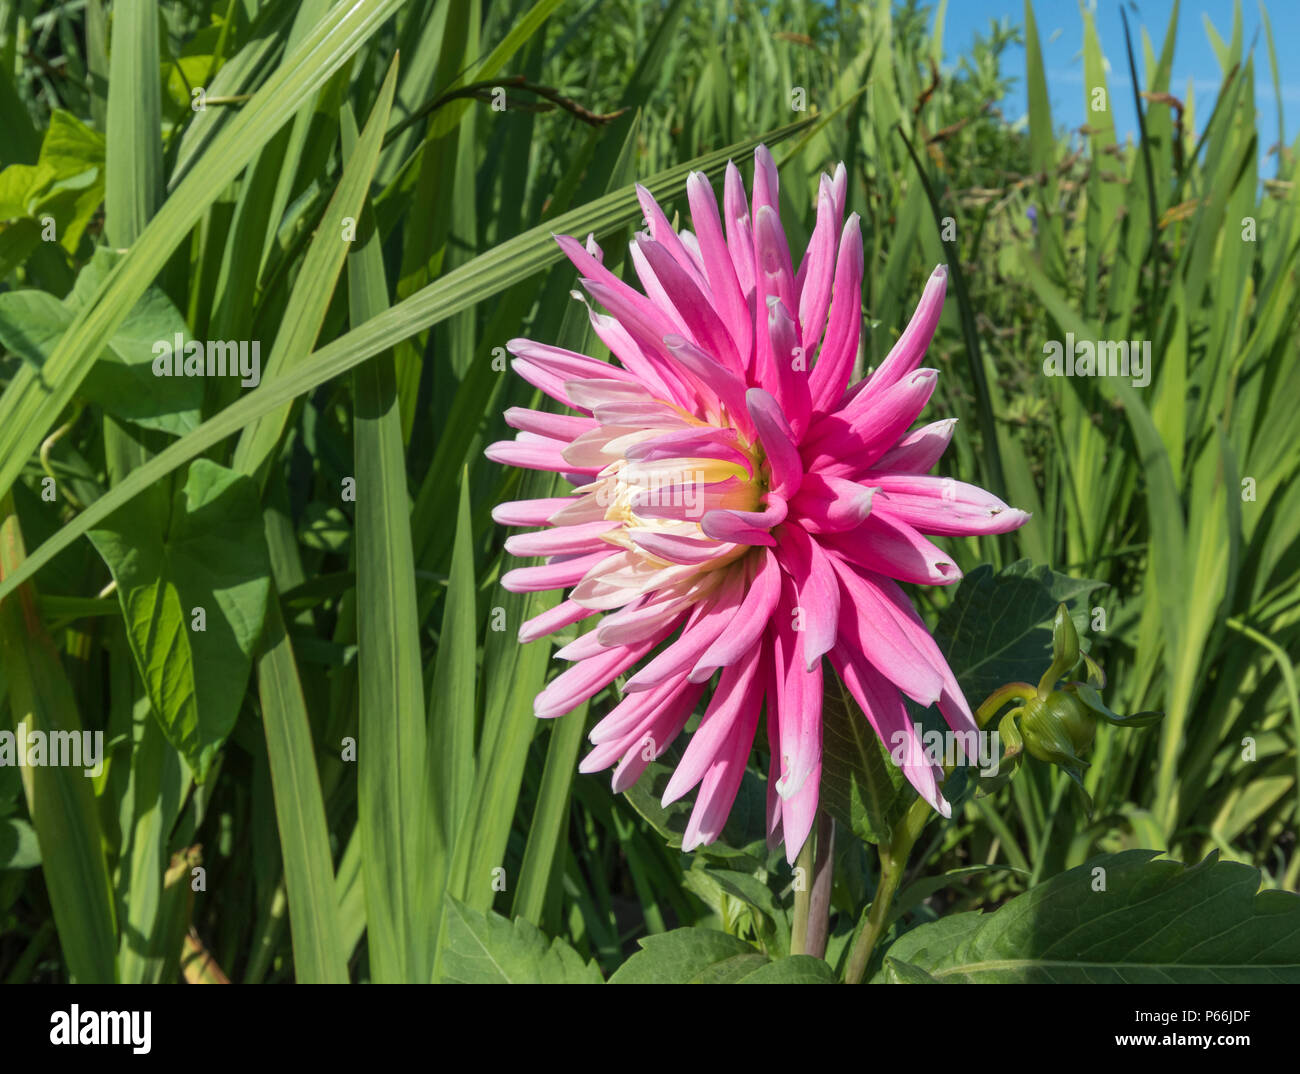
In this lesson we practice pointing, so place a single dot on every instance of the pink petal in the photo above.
(895, 549)
(564, 614)
(556, 426)
(830, 504)
(738, 694)
(740, 238)
(943, 505)
(885, 711)
(695, 308)
(907, 353)
(533, 454)
(918, 451)
(562, 540)
(952, 703)
(714, 377)
(661, 231)
(830, 376)
(799, 811)
(818, 271)
(676, 548)
(559, 573)
(786, 375)
(722, 782)
(694, 442)
(657, 737)
(720, 269)
(707, 622)
(853, 438)
(817, 588)
(746, 527)
(751, 618)
(778, 441)
(529, 512)
(867, 627)
(583, 681)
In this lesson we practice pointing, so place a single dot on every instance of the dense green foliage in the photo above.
(347, 749)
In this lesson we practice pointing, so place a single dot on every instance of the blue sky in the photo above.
(1060, 28)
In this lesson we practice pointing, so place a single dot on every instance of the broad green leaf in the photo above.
(797, 969)
(65, 185)
(486, 948)
(19, 848)
(998, 628)
(689, 956)
(704, 956)
(209, 558)
(897, 971)
(122, 380)
(1121, 919)
(861, 786)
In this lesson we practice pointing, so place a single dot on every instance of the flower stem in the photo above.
(819, 903)
(893, 860)
(802, 898)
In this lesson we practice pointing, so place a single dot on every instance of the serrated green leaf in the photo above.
(1155, 922)
(998, 628)
(899, 972)
(684, 956)
(796, 969)
(486, 948)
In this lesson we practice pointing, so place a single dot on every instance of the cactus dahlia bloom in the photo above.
(741, 511)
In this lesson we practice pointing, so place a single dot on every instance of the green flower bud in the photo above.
(1065, 650)
(1058, 729)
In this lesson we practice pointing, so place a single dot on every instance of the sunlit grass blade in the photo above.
(393, 822)
(34, 398)
(309, 300)
(134, 179)
(319, 955)
(59, 797)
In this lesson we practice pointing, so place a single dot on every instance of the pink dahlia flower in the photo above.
(741, 511)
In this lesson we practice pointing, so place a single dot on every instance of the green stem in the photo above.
(1012, 691)
(819, 903)
(802, 898)
(893, 860)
